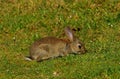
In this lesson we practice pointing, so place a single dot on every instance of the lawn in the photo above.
(24, 21)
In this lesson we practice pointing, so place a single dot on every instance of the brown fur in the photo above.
(51, 47)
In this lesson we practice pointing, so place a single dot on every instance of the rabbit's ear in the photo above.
(76, 29)
(69, 33)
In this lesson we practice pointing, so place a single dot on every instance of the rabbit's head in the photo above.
(75, 45)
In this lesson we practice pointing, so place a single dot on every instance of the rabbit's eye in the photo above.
(79, 46)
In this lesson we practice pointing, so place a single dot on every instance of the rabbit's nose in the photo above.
(84, 51)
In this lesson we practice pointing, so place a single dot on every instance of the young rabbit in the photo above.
(51, 47)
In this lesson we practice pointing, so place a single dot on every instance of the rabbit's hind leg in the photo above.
(42, 56)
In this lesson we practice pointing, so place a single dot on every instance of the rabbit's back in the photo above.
(47, 40)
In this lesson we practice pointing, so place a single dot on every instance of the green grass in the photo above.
(24, 21)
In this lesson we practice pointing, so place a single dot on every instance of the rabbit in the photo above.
(51, 47)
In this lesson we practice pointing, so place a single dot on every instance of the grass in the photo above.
(22, 22)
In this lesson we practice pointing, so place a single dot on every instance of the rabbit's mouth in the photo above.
(81, 52)
(77, 53)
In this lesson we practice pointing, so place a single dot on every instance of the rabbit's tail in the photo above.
(28, 58)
